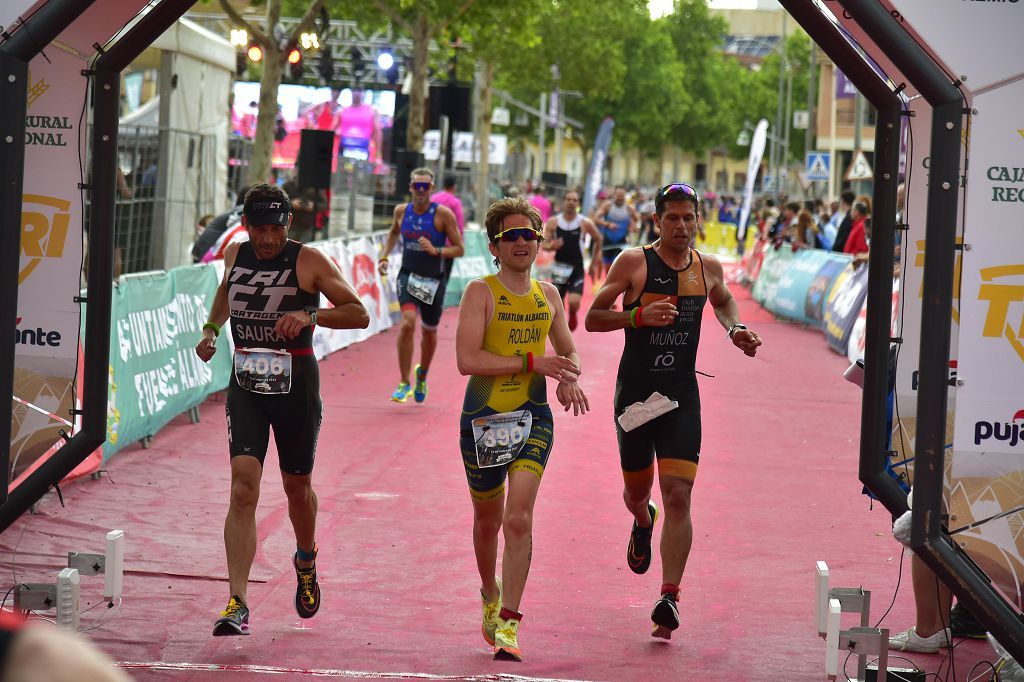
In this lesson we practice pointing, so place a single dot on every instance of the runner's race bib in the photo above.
(264, 370)
(423, 288)
(561, 272)
(500, 437)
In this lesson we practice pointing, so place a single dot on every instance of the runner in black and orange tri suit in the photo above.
(664, 287)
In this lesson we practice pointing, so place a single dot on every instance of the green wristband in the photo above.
(632, 316)
(214, 326)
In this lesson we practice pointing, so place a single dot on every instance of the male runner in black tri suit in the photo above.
(271, 289)
(562, 235)
(664, 287)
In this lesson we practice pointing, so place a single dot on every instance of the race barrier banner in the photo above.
(817, 292)
(855, 348)
(357, 260)
(155, 374)
(776, 261)
(478, 262)
(845, 299)
(720, 239)
(789, 297)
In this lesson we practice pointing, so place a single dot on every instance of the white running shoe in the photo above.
(911, 641)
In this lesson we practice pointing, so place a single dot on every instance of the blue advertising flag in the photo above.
(596, 170)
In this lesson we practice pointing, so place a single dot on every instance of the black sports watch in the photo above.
(733, 328)
(311, 310)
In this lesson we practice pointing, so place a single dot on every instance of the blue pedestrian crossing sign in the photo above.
(819, 165)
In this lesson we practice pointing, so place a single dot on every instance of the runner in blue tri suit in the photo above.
(617, 220)
(664, 287)
(424, 227)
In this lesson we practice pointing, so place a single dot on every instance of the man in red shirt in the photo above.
(857, 242)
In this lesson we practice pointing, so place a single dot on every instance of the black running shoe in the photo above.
(307, 592)
(962, 623)
(234, 620)
(638, 554)
(666, 613)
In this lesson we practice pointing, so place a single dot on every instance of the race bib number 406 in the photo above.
(500, 437)
(263, 370)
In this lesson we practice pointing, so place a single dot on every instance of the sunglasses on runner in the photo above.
(514, 233)
(420, 186)
(677, 188)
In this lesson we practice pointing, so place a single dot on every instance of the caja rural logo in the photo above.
(1000, 296)
(44, 230)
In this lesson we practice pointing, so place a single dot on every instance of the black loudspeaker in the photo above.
(552, 179)
(400, 129)
(316, 152)
(453, 101)
(406, 161)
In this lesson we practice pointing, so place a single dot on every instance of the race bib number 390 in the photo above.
(263, 370)
(500, 437)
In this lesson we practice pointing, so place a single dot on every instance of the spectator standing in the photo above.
(540, 202)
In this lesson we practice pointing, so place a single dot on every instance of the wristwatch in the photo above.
(311, 310)
(735, 327)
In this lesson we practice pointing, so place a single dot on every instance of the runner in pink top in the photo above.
(541, 202)
(359, 131)
(447, 197)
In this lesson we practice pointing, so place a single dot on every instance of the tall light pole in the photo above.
(779, 126)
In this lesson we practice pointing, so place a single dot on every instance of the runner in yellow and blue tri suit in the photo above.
(506, 427)
(664, 287)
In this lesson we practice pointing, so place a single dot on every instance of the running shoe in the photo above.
(234, 620)
(491, 611)
(420, 394)
(962, 623)
(307, 591)
(665, 616)
(638, 554)
(506, 638)
(401, 393)
(909, 640)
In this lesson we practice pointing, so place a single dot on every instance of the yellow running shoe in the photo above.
(491, 611)
(506, 638)
(234, 620)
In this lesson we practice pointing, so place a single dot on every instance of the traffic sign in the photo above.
(859, 168)
(819, 166)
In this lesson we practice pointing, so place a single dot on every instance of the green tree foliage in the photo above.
(713, 80)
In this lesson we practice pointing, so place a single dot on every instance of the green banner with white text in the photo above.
(155, 374)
